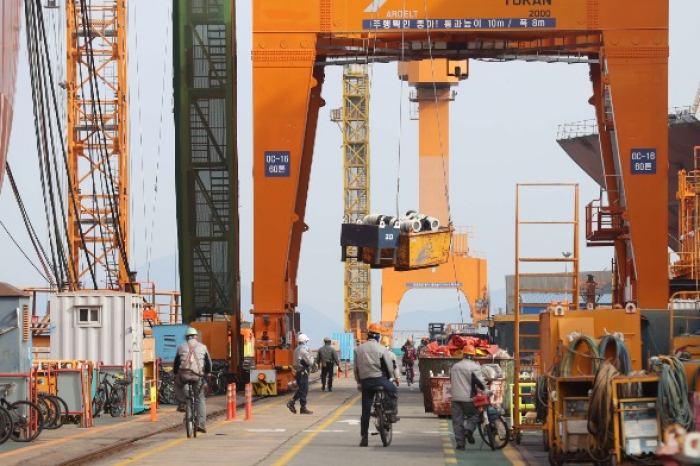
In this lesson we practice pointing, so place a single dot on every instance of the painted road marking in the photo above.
(266, 430)
(321, 431)
(173, 443)
(351, 422)
(299, 446)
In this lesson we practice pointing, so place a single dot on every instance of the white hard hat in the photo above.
(302, 338)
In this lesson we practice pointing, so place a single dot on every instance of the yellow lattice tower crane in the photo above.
(354, 117)
(97, 142)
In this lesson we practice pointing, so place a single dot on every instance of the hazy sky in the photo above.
(503, 132)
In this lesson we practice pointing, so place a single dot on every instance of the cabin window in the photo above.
(89, 317)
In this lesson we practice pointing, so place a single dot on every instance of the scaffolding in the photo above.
(354, 117)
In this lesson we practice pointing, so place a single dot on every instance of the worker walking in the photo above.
(394, 368)
(192, 364)
(303, 363)
(372, 369)
(465, 377)
(327, 356)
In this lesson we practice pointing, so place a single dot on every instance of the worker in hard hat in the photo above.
(386, 343)
(465, 377)
(192, 366)
(303, 364)
(409, 359)
(373, 369)
(423, 347)
(327, 356)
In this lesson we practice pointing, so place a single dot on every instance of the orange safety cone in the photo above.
(231, 414)
(154, 404)
(248, 402)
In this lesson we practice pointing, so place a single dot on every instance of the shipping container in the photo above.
(100, 326)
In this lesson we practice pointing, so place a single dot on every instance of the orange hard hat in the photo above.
(375, 328)
(469, 350)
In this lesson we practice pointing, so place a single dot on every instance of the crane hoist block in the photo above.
(387, 246)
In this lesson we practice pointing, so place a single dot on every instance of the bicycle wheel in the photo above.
(49, 410)
(116, 401)
(98, 402)
(62, 410)
(27, 421)
(381, 421)
(5, 425)
(189, 419)
(495, 433)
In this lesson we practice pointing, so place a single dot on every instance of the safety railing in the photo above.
(604, 223)
(577, 129)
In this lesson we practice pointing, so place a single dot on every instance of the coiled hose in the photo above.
(541, 398)
(601, 413)
(622, 360)
(672, 403)
(572, 350)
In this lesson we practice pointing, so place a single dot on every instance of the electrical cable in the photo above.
(61, 116)
(58, 260)
(160, 142)
(48, 85)
(572, 350)
(673, 404)
(622, 360)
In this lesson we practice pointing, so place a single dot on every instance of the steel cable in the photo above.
(34, 238)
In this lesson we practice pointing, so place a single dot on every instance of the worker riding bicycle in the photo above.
(374, 368)
(409, 359)
(192, 365)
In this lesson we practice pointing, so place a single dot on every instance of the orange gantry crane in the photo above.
(623, 42)
(433, 81)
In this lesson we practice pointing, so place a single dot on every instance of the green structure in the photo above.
(206, 159)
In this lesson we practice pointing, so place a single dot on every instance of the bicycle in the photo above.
(492, 427)
(26, 421)
(410, 374)
(110, 397)
(383, 421)
(6, 425)
(166, 388)
(191, 407)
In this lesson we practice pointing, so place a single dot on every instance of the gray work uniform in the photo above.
(194, 356)
(462, 404)
(302, 362)
(372, 369)
(327, 356)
